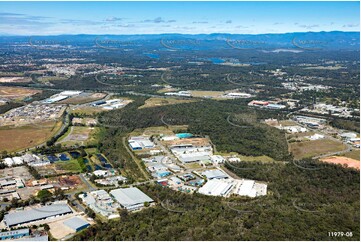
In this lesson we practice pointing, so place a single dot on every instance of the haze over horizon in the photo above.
(57, 18)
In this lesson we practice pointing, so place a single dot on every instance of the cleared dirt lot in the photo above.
(16, 92)
(59, 230)
(26, 136)
(315, 147)
(343, 161)
(14, 79)
(84, 98)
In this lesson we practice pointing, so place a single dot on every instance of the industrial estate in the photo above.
(179, 136)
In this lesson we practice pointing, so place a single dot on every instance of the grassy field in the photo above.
(354, 154)
(156, 102)
(158, 130)
(87, 110)
(79, 135)
(26, 136)
(91, 151)
(300, 136)
(213, 94)
(51, 78)
(315, 147)
(67, 166)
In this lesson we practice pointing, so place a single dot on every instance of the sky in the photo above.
(53, 18)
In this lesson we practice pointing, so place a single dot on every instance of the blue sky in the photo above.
(50, 18)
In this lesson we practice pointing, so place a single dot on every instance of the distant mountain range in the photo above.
(307, 40)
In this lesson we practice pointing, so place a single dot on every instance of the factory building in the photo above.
(216, 188)
(76, 224)
(251, 188)
(215, 174)
(140, 142)
(36, 214)
(130, 198)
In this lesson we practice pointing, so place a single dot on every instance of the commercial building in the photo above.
(215, 174)
(101, 202)
(36, 214)
(216, 188)
(76, 224)
(55, 98)
(217, 159)
(140, 142)
(258, 103)
(14, 234)
(131, 198)
(251, 188)
(11, 182)
(275, 106)
(187, 153)
(70, 93)
(238, 95)
(348, 136)
(180, 94)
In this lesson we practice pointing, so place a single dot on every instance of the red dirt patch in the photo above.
(351, 163)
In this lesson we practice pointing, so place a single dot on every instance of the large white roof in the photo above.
(128, 197)
(246, 189)
(216, 188)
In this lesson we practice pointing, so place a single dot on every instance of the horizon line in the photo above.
(12, 35)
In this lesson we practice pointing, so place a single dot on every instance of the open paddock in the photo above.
(79, 135)
(26, 136)
(354, 154)
(312, 148)
(59, 167)
(213, 94)
(156, 102)
(16, 92)
(158, 130)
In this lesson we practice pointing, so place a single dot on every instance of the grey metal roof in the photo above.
(193, 158)
(130, 196)
(211, 174)
(75, 223)
(36, 214)
(37, 238)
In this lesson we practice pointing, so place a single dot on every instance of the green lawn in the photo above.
(71, 166)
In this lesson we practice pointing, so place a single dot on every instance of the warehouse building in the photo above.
(76, 224)
(140, 142)
(215, 174)
(14, 234)
(216, 188)
(101, 202)
(251, 188)
(131, 198)
(35, 214)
